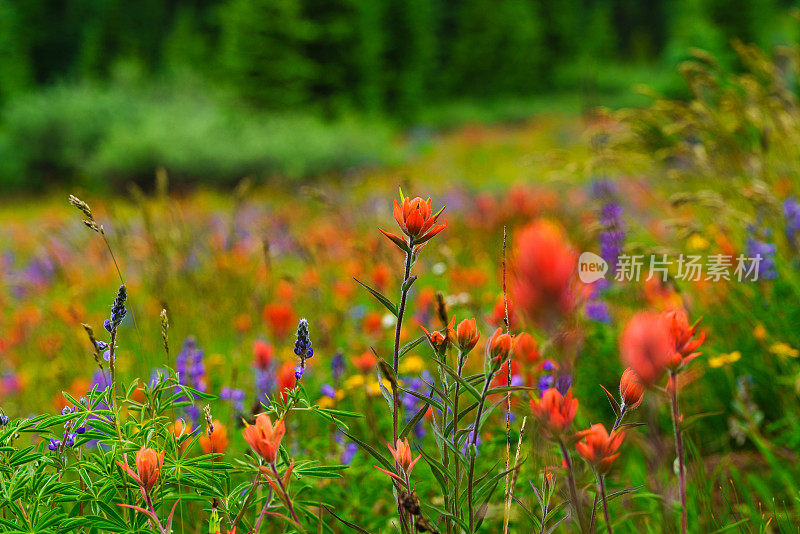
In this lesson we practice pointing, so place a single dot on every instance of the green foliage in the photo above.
(104, 138)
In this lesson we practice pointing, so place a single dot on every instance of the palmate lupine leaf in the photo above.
(388, 304)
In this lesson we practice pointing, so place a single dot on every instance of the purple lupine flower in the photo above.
(545, 382)
(791, 213)
(337, 366)
(563, 383)
(191, 372)
(612, 235)
(548, 365)
(597, 310)
(54, 444)
(757, 245)
(328, 390)
(349, 453)
(3, 419)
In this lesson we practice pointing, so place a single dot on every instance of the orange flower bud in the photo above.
(264, 438)
(598, 447)
(631, 389)
(437, 340)
(148, 466)
(499, 348)
(467, 335)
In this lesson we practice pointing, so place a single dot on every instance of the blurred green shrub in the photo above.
(103, 137)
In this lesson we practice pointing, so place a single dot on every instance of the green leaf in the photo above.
(405, 349)
(381, 298)
(414, 420)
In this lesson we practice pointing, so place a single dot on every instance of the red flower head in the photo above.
(264, 438)
(499, 347)
(365, 363)
(466, 335)
(373, 323)
(555, 411)
(218, 442)
(416, 220)
(148, 465)
(262, 354)
(544, 264)
(682, 334)
(598, 448)
(646, 346)
(279, 317)
(631, 389)
(286, 379)
(439, 340)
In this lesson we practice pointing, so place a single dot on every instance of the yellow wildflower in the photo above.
(783, 349)
(697, 242)
(412, 365)
(725, 359)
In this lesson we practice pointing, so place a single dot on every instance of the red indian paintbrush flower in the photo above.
(148, 465)
(262, 354)
(543, 264)
(264, 438)
(466, 335)
(598, 447)
(499, 347)
(402, 455)
(631, 389)
(555, 411)
(217, 443)
(416, 220)
(682, 335)
(646, 346)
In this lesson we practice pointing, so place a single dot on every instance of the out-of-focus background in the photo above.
(99, 94)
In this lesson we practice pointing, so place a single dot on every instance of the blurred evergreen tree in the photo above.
(263, 50)
(14, 67)
(497, 48)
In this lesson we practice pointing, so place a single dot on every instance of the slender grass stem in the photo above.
(456, 460)
(676, 417)
(246, 502)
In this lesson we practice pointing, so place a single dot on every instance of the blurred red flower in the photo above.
(543, 264)
(598, 447)
(646, 346)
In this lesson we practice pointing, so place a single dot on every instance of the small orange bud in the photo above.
(148, 465)
(467, 335)
(499, 348)
(631, 389)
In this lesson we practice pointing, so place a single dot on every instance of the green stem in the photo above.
(601, 479)
(457, 461)
(679, 447)
(573, 491)
(472, 452)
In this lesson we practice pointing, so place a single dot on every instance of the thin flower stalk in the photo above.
(573, 491)
(672, 387)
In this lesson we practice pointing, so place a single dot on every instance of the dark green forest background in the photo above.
(99, 92)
